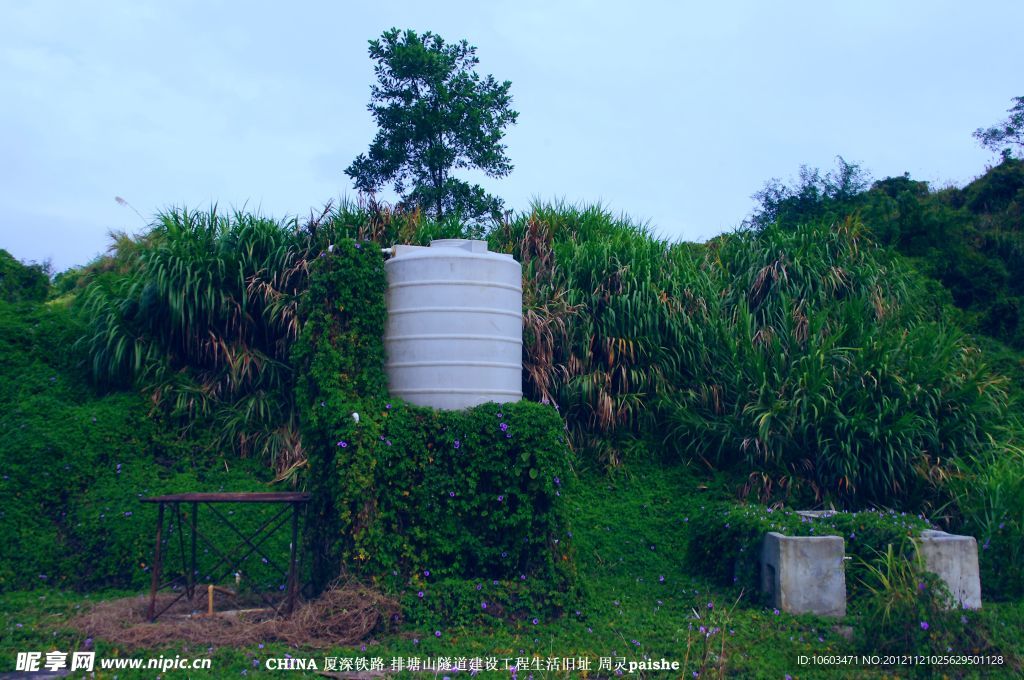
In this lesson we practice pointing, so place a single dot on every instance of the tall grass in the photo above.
(200, 313)
(201, 320)
(805, 359)
(607, 308)
(824, 379)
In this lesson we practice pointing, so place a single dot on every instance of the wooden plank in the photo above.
(247, 497)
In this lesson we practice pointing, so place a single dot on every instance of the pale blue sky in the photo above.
(673, 113)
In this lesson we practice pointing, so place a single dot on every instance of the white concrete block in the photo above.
(955, 560)
(805, 574)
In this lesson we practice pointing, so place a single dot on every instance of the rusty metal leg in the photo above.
(292, 578)
(181, 540)
(192, 565)
(155, 579)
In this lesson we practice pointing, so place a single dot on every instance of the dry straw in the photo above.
(342, 615)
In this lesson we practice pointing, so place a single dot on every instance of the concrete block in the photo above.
(955, 560)
(805, 574)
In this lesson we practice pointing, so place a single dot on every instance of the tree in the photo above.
(434, 114)
(1004, 136)
(814, 197)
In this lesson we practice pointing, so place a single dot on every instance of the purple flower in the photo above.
(536, 621)
(711, 605)
(360, 247)
(451, 494)
(457, 443)
(504, 427)
(479, 586)
(128, 514)
(420, 594)
(483, 605)
(426, 572)
(557, 481)
(388, 406)
(437, 633)
(501, 499)
(118, 468)
(343, 444)
(661, 579)
(924, 625)
(775, 611)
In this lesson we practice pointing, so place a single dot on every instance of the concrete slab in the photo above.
(805, 574)
(955, 560)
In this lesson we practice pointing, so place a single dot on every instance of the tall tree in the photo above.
(1006, 135)
(434, 114)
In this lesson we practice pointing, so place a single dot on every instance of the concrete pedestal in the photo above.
(804, 574)
(955, 560)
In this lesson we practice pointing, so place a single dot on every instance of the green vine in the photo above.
(411, 497)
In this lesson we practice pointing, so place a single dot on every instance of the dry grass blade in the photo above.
(343, 615)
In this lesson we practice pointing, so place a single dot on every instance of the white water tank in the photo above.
(454, 330)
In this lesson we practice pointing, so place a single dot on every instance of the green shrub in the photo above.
(406, 495)
(22, 282)
(725, 538)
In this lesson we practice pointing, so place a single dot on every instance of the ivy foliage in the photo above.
(409, 496)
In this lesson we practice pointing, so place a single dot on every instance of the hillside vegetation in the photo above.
(837, 353)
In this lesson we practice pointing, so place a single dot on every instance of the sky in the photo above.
(673, 113)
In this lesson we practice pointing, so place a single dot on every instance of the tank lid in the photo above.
(449, 247)
(464, 243)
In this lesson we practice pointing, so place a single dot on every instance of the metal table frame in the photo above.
(253, 541)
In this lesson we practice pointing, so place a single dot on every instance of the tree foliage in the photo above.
(814, 197)
(22, 282)
(1004, 136)
(435, 114)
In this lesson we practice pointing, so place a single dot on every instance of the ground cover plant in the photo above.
(641, 601)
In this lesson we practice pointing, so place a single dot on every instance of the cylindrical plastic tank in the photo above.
(454, 331)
